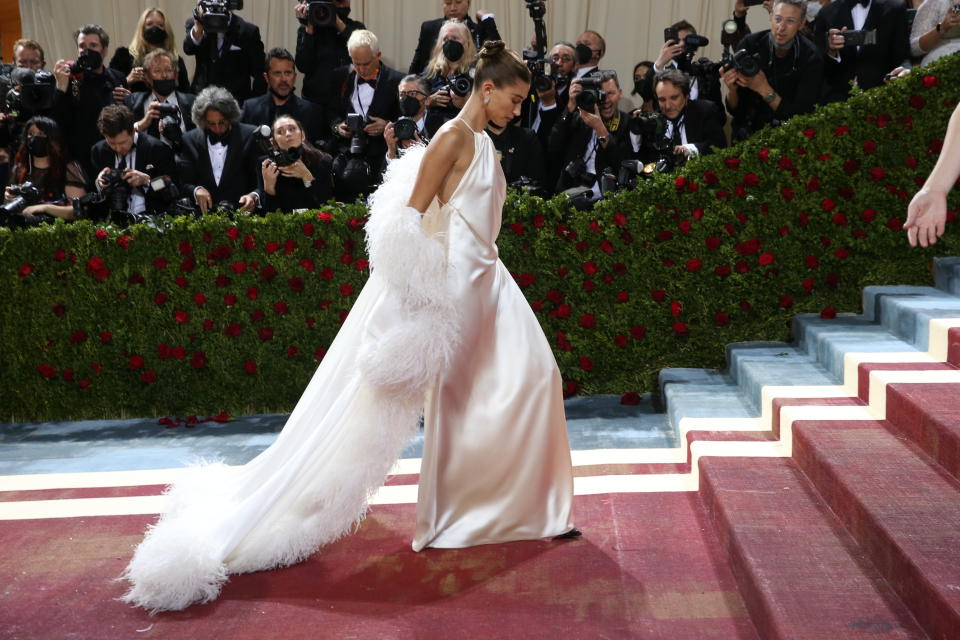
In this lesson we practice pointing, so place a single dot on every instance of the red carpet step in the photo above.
(901, 508)
(929, 414)
(800, 573)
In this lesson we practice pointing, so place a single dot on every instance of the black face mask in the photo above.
(343, 13)
(583, 54)
(452, 50)
(38, 146)
(155, 35)
(409, 106)
(164, 87)
(89, 60)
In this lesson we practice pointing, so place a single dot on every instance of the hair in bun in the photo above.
(499, 65)
(492, 48)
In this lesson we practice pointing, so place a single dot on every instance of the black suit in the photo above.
(319, 53)
(235, 65)
(520, 155)
(430, 30)
(385, 104)
(139, 102)
(871, 62)
(263, 110)
(152, 157)
(702, 123)
(239, 171)
(569, 140)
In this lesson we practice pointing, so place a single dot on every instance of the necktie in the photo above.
(121, 163)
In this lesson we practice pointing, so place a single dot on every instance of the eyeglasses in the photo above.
(412, 94)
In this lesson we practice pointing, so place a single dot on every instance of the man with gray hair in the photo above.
(364, 98)
(219, 160)
(779, 77)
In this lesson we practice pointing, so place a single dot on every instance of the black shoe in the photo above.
(573, 533)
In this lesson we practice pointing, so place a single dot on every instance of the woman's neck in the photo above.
(474, 114)
(41, 163)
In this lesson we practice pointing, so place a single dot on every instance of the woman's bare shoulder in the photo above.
(449, 139)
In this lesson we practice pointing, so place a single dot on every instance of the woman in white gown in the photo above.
(441, 327)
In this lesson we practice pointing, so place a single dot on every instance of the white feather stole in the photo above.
(312, 485)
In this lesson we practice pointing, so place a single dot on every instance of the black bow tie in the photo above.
(862, 3)
(217, 138)
(372, 82)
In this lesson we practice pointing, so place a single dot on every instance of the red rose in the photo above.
(289, 246)
(163, 351)
(638, 332)
(96, 367)
(59, 255)
(160, 263)
(250, 367)
(233, 233)
(232, 330)
(296, 284)
(160, 298)
(841, 254)
(78, 337)
(100, 234)
(268, 272)
(621, 340)
(587, 321)
(319, 353)
(84, 383)
(586, 364)
(811, 262)
(590, 267)
(222, 281)
(751, 180)
(307, 228)
(25, 270)
(710, 178)
(680, 328)
(47, 371)
(525, 280)
(917, 102)
(271, 247)
(187, 265)
(807, 284)
(721, 319)
(292, 352)
(742, 266)
(786, 301)
(265, 333)
(257, 315)
(619, 219)
(878, 173)
(803, 219)
(623, 296)
(518, 228)
(229, 299)
(869, 147)
(59, 310)
(810, 133)
(764, 155)
(659, 295)
(238, 267)
(693, 265)
(562, 311)
(537, 305)
(181, 316)
(308, 265)
(606, 246)
(664, 236)
(280, 308)
(346, 289)
(930, 82)
(180, 282)
(732, 163)
(135, 362)
(555, 296)
(784, 163)
(765, 258)
(828, 313)
(685, 227)
(249, 242)
(323, 216)
(722, 270)
(199, 299)
(148, 376)
(712, 243)
(680, 183)
(185, 248)
(355, 223)
(813, 185)
(136, 278)
(630, 399)
(253, 293)
(208, 324)
(697, 213)
(676, 308)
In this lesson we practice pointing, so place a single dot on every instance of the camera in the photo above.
(859, 38)
(649, 126)
(354, 123)
(116, 191)
(460, 84)
(28, 91)
(169, 125)
(285, 157)
(24, 194)
(592, 96)
(745, 63)
(405, 129)
(322, 14)
(216, 14)
(88, 60)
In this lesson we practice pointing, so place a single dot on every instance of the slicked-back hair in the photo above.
(93, 30)
(278, 53)
(675, 77)
(799, 4)
(216, 99)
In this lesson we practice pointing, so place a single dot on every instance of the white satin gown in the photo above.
(496, 462)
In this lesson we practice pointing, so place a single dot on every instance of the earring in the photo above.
(486, 100)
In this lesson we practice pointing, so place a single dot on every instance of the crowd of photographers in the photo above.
(129, 137)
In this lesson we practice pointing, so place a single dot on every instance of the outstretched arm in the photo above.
(927, 213)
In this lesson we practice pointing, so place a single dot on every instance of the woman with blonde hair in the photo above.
(153, 32)
(450, 63)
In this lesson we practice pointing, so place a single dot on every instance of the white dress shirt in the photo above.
(218, 157)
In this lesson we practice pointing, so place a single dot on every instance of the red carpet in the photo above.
(648, 566)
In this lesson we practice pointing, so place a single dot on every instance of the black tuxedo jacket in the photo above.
(430, 30)
(569, 140)
(138, 103)
(319, 53)
(238, 64)
(871, 62)
(239, 171)
(152, 157)
(703, 122)
(262, 110)
(385, 104)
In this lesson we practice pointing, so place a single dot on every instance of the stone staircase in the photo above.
(830, 467)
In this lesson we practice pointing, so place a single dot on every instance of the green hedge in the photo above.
(211, 315)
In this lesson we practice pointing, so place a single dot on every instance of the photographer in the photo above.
(485, 28)
(552, 102)
(590, 49)
(322, 48)
(591, 135)
(84, 87)
(296, 175)
(414, 100)
(229, 56)
(448, 73)
(775, 75)
(936, 30)
(152, 32)
(521, 157)
(365, 95)
(28, 54)
(883, 45)
(127, 160)
(219, 162)
(693, 127)
(281, 100)
(33, 94)
(677, 53)
(146, 105)
(41, 162)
